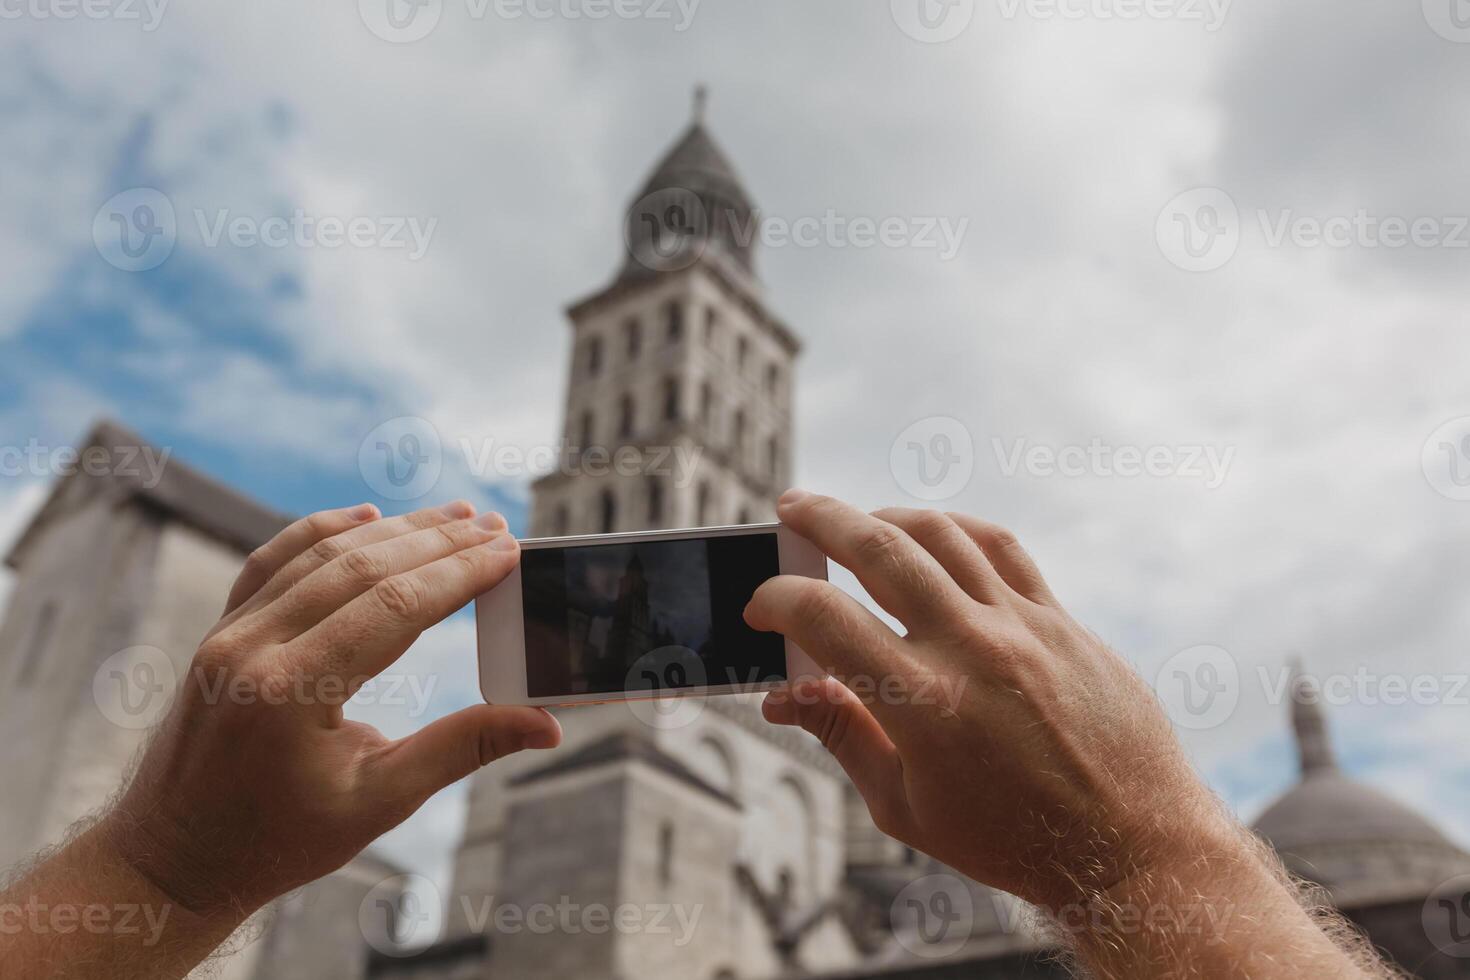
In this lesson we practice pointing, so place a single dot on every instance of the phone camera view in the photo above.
(647, 616)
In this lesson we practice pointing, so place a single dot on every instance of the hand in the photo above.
(997, 735)
(254, 783)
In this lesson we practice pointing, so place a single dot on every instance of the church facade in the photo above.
(730, 848)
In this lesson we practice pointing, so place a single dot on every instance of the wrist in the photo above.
(160, 860)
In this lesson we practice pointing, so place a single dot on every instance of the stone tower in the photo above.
(677, 414)
(678, 398)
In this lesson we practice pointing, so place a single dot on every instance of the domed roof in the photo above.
(692, 204)
(1356, 841)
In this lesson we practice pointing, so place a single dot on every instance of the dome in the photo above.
(692, 203)
(1359, 843)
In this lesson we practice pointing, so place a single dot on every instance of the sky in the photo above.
(1227, 238)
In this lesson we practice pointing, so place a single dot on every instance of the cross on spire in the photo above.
(701, 100)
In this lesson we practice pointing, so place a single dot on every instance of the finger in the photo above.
(373, 630)
(328, 550)
(903, 577)
(849, 731)
(270, 557)
(843, 637)
(1015, 566)
(447, 750)
(955, 550)
(352, 573)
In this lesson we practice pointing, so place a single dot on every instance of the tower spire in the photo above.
(701, 102)
(1313, 744)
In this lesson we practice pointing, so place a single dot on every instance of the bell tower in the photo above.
(678, 397)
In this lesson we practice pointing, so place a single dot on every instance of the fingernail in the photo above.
(778, 696)
(457, 509)
(792, 496)
(491, 521)
(505, 542)
(363, 512)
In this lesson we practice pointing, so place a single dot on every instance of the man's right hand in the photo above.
(1003, 738)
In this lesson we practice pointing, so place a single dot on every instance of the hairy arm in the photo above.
(254, 783)
(1045, 768)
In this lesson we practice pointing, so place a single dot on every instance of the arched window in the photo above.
(561, 524)
(742, 353)
(39, 642)
(594, 356)
(584, 436)
(743, 517)
(626, 416)
(703, 506)
(711, 326)
(706, 404)
(671, 399)
(633, 334)
(674, 321)
(655, 503)
(738, 434)
(773, 456)
(665, 853)
(773, 379)
(609, 512)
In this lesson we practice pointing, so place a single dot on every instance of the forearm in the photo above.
(1226, 910)
(83, 911)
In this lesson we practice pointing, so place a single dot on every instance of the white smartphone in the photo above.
(626, 617)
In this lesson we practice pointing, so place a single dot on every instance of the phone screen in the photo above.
(647, 615)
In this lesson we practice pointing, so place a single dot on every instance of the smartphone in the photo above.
(652, 614)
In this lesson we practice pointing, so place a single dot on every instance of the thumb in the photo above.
(447, 750)
(844, 725)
